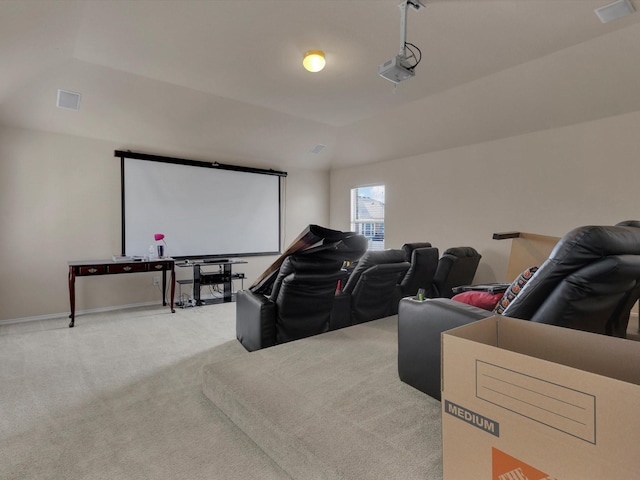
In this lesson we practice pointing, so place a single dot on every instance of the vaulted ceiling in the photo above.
(222, 79)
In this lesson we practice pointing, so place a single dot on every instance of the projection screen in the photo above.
(204, 210)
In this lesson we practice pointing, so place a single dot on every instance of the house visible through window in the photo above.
(367, 214)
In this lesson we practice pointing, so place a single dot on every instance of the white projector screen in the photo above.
(203, 210)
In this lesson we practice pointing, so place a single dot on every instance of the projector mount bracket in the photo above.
(400, 68)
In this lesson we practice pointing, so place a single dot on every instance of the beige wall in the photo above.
(60, 201)
(546, 182)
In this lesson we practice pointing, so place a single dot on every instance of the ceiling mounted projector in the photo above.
(401, 67)
(395, 71)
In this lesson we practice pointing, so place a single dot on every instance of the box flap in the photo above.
(482, 331)
(599, 354)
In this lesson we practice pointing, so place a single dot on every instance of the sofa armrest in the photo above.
(341, 312)
(255, 320)
(420, 325)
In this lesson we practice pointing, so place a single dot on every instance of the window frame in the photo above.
(371, 227)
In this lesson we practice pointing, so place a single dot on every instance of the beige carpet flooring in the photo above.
(332, 407)
(120, 397)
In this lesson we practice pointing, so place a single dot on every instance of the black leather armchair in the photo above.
(456, 267)
(302, 298)
(590, 282)
(372, 290)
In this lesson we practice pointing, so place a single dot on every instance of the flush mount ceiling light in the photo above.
(314, 60)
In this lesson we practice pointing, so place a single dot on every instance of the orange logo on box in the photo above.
(506, 467)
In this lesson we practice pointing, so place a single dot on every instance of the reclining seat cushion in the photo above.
(374, 284)
(304, 305)
(581, 246)
(456, 267)
(370, 259)
(629, 223)
(424, 262)
(596, 298)
(376, 292)
(303, 293)
(303, 263)
(408, 249)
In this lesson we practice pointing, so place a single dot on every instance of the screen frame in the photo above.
(201, 164)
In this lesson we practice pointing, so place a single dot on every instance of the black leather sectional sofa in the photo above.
(590, 282)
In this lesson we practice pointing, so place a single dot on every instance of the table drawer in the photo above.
(158, 266)
(127, 268)
(92, 270)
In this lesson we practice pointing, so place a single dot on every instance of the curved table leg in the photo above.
(72, 296)
(173, 288)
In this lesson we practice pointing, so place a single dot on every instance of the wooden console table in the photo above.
(92, 268)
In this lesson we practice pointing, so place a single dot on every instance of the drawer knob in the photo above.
(92, 270)
(159, 267)
(126, 269)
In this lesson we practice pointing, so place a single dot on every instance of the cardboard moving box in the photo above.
(523, 400)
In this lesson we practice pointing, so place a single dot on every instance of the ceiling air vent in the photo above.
(615, 10)
(68, 100)
(318, 148)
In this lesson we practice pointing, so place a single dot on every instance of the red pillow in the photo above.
(484, 300)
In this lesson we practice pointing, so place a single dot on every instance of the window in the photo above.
(367, 214)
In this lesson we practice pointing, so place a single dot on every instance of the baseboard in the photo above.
(78, 312)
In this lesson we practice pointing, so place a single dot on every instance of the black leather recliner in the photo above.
(372, 290)
(590, 282)
(302, 298)
(456, 267)
(423, 259)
